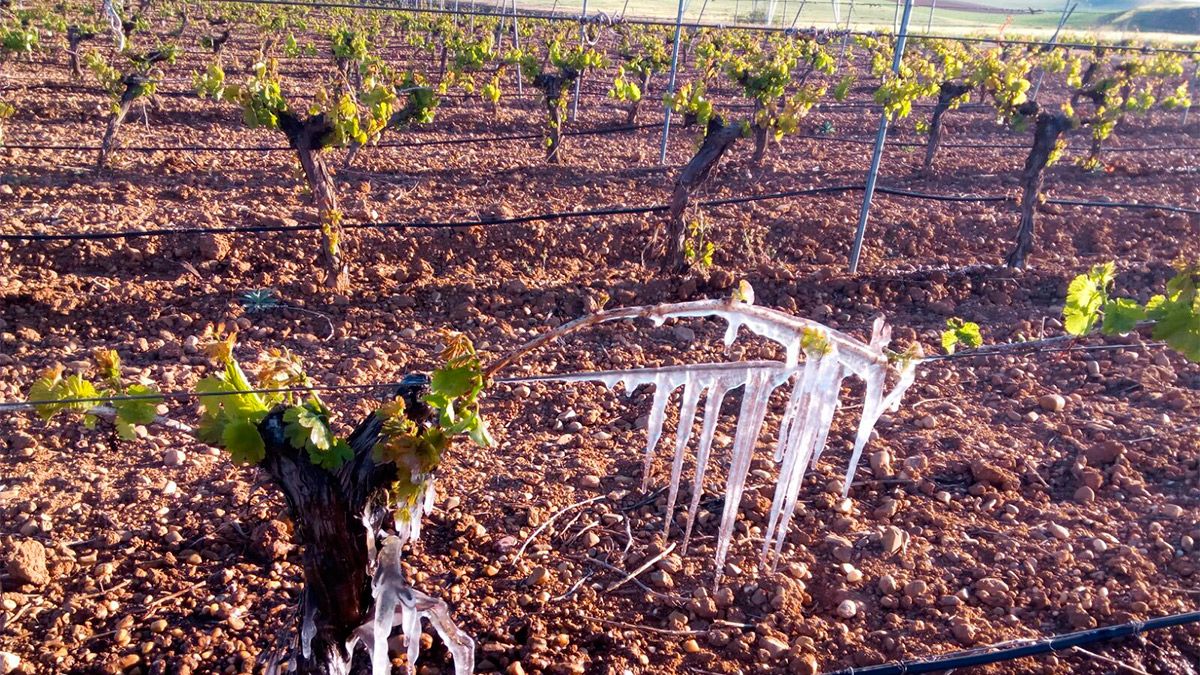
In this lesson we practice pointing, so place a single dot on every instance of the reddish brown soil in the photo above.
(1003, 543)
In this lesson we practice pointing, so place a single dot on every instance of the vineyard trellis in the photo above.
(337, 488)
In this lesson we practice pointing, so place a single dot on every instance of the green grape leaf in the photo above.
(244, 443)
(1085, 296)
(141, 411)
(1121, 316)
(961, 332)
(1179, 326)
(45, 388)
(480, 434)
(332, 459)
(307, 429)
(211, 429)
(454, 382)
(125, 430)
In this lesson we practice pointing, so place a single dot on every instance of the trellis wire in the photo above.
(660, 22)
(277, 148)
(13, 406)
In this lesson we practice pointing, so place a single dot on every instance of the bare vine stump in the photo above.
(309, 137)
(327, 510)
(1050, 126)
(75, 36)
(719, 138)
(183, 24)
(554, 89)
(134, 84)
(948, 93)
(636, 106)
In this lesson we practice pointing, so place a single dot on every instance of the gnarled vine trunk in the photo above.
(75, 36)
(636, 106)
(948, 93)
(327, 511)
(760, 136)
(133, 89)
(554, 95)
(183, 23)
(309, 137)
(719, 137)
(1049, 127)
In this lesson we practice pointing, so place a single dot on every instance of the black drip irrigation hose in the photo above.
(560, 215)
(977, 657)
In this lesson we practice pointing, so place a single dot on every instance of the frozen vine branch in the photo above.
(829, 357)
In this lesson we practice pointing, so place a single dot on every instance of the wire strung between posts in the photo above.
(532, 136)
(12, 406)
(560, 215)
(15, 406)
(277, 148)
(665, 22)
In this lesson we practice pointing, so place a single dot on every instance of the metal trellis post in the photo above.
(846, 36)
(880, 139)
(582, 45)
(662, 155)
(517, 46)
(929, 21)
(1068, 10)
(797, 17)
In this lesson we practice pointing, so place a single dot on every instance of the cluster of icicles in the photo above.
(830, 357)
(395, 604)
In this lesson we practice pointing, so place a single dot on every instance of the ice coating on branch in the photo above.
(408, 523)
(397, 603)
(308, 629)
(829, 357)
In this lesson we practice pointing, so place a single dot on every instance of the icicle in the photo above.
(396, 603)
(372, 530)
(388, 583)
(796, 403)
(804, 442)
(712, 410)
(308, 628)
(658, 412)
(692, 389)
(874, 403)
(458, 643)
(408, 520)
(791, 430)
(750, 420)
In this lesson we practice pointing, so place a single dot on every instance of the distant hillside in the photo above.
(1161, 19)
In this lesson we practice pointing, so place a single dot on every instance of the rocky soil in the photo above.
(1009, 497)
